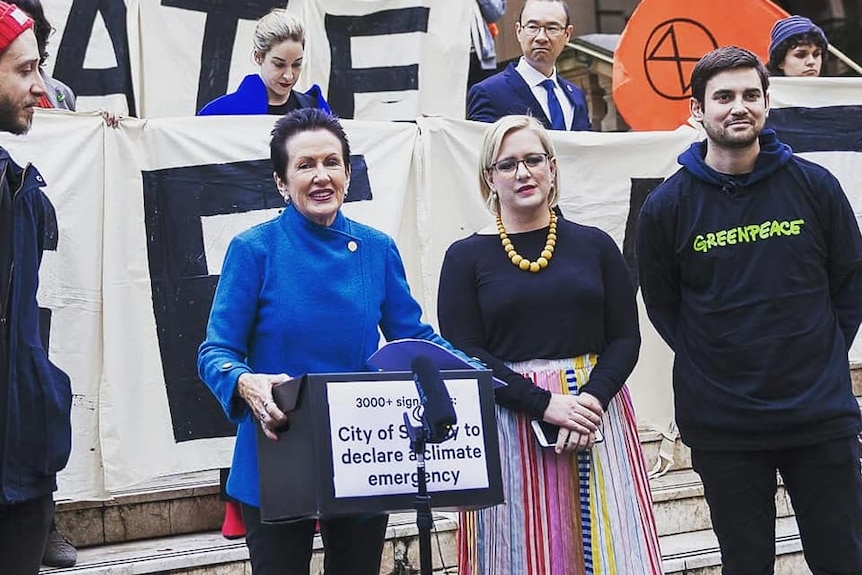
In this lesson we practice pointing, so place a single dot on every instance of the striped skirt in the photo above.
(568, 514)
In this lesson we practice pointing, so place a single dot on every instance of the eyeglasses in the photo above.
(552, 30)
(509, 166)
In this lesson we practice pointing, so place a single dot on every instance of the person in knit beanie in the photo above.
(16, 35)
(35, 395)
(797, 47)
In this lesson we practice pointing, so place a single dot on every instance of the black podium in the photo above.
(347, 451)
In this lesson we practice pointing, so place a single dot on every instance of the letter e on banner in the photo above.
(345, 80)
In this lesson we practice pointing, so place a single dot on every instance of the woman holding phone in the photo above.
(549, 306)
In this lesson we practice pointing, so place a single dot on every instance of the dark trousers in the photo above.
(352, 545)
(23, 532)
(825, 487)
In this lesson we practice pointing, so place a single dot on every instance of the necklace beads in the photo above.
(519, 260)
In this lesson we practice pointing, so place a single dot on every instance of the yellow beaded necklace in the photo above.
(522, 262)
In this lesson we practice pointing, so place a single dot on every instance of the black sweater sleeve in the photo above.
(658, 272)
(622, 333)
(845, 261)
(460, 321)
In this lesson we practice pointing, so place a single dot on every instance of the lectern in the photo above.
(347, 451)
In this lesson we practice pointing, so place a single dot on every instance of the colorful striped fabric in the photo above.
(570, 514)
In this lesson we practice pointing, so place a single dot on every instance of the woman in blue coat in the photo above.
(307, 292)
(279, 46)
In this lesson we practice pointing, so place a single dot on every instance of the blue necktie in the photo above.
(558, 121)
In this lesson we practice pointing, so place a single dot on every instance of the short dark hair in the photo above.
(776, 57)
(297, 122)
(41, 27)
(565, 7)
(721, 60)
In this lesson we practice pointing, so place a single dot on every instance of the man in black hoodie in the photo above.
(750, 261)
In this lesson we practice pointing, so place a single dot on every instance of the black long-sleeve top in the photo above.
(582, 302)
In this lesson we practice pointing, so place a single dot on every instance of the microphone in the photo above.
(438, 415)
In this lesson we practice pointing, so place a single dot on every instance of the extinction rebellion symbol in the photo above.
(670, 53)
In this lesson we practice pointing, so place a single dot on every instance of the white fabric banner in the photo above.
(88, 51)
(186, 187)
(599, 175)
(68, 150)
(146, 211)
(373, 59)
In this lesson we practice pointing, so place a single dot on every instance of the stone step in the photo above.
(680, 507)
(697, 553)
(209, 553)
(651, 443)
(692, 553)
(175, 505)
(856, 379)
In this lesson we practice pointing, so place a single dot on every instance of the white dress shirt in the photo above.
(534, 80)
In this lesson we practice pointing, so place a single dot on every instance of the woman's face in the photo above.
(280, 69)
(316, 176)
(802, 60)
(523, 190)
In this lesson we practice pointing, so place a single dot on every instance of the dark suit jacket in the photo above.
(506, 93)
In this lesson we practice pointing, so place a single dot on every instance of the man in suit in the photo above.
(532, 87)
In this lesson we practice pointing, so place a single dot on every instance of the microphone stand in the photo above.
(422, 503)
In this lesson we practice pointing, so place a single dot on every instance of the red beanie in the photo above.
(13, 21)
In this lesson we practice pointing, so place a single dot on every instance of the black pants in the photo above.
(825, 487)
(352, 545)
(23, 532)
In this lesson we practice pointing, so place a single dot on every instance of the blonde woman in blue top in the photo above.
(279, 49)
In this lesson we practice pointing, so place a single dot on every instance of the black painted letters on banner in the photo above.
(219, 35)
(69, 66)
(175, 201)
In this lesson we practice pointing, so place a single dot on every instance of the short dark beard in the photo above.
(732, 143)
(9, 122)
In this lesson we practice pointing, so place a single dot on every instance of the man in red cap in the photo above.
(35, 396)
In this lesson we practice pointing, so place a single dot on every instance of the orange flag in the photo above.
(662, 42)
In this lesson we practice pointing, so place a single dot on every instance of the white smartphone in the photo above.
(546, 433)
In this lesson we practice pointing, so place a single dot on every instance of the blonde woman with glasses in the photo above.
(549, 305)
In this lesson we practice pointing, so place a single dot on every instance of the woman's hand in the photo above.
(579, 413)
(578, 416)
(256, 390)
(569, 440)
(112, 120)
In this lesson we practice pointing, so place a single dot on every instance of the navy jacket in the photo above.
(755, 281)
(37, 396)
(251, 99)
(506, 94)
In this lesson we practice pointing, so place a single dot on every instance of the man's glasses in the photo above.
(509, 166)
(552, 30)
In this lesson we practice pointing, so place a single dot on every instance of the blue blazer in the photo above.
(251, 98)
(506, 93)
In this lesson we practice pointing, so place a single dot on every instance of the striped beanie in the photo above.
(791, 26)
(13, 22)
